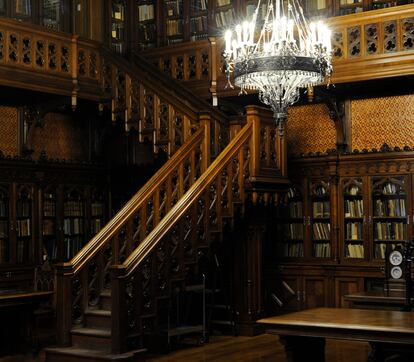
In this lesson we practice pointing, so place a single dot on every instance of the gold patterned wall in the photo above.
(309, 129)
(387, 120)
(60, 137)
(8, 131)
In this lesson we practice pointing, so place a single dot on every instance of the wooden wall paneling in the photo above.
(344, 286)
(315, 292)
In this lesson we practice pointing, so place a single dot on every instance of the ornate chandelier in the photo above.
(286, 54)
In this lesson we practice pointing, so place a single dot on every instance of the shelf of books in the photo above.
(51, 14)
(321, 221)
(389, 200)
(49, 230)
(4, 225)
(147, 27)
(353, 219)
(174, 21)
(73, 222)
(118, 26)
(97, 219)
(24, 216)
(224, 14)
(198, 19)
(292, 245)
(251, 6)
(317, 9)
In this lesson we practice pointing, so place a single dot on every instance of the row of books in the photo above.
(23, 228)
(225, 18)
(198, 24)
(321, 231)
(145, 12)
(391, 207)
(223, 2)
(73, 226)
(322, 250)
(50, 249)
(48, 227)
(353, 231)
(321, 209)
(118, 12)
(147, 33)
(296, 209)
(293, 250)
(354, 208)
(174, 27)
(96, 225)
(321, 191)
(4, 252)
(49, 208)
(72, 246)
(389, 231)
(389, 189)
(23, 208)
(174, 7)
(348, 2)
(295, 231)
(4, 229)
(4, 210)
(117, 31)
(354, 251)
(199, 5)
(251, 8)
(73, 208)
(96, 209)
(381, 250)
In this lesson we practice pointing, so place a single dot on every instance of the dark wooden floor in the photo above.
(243, 349)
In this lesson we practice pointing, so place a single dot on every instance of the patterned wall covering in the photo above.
(309, 129)
(60, 137)
(8, 131)
(387, 120)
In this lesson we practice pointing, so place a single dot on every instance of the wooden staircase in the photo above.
(112, 294)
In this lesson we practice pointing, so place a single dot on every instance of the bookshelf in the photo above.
(345, 7)
(353, 219)
(73, 221)
(389, 210)
(321, 221)
(293, 241)
(174, 21)
(23, 224)
(49, 224)
(4, 224)
(51, 14)
(198, 19)
(147, 26)
(118, 31)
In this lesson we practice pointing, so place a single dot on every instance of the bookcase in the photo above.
(354, 219)
(389, 213)
(320, 220)
(97, 211)
(4, 223)
(49, 222)
(147, 26)
(118, 25)
(292, 244)
(198, 19)
(174, 21)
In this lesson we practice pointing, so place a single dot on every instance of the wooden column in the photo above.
(63, 306)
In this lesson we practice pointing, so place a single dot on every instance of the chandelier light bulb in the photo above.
(279, 56)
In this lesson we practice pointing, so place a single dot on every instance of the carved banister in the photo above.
(81, 279)
(185, 228)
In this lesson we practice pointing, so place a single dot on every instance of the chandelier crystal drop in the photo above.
(279, 56)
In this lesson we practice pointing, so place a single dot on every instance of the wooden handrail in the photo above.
(136, 257)
(109, 230)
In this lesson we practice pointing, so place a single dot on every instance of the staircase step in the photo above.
(94, 338)
(76, 354)
(106, 300)
(98, 318)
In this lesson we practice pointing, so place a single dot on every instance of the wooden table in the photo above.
(304, 332)
(378, 299)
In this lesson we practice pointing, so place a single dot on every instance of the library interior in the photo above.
(176, 186)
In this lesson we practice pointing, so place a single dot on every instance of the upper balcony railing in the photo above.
(366, 45)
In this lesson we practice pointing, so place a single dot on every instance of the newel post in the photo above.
(205, 122)
(118, 310)
(253, 117)
(214, 56)
(63, 304)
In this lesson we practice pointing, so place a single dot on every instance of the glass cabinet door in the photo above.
(389, 213)
(321, 219)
